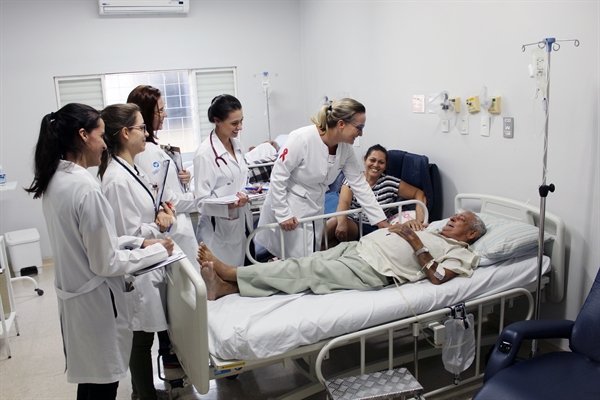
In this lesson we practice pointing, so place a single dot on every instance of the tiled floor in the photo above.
(36, 369)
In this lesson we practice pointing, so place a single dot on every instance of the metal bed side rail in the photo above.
(391, 327)
(188, 321)
(518, 211)
(303, 222)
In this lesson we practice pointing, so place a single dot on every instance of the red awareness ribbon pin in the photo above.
(282, 156)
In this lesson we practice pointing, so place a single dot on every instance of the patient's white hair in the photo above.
(478, 225)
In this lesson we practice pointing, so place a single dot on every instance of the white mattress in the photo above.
(245, 328)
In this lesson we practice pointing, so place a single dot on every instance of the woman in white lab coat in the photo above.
(130, 193)
(90, 260)
(311, 159)
(220, 170)
(152, 108)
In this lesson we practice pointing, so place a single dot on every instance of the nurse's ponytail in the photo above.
(333, 111)
(59, 139)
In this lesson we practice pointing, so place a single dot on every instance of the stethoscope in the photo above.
(219, 158)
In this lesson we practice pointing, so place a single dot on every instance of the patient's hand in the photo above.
(407, 233)
(414, 225)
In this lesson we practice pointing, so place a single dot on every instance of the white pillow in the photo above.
(504, 239)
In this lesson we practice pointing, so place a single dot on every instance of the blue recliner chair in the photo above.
(559, 375)
(416, 170)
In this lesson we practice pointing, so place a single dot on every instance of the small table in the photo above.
(377, 385)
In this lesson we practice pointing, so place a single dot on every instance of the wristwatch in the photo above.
(421, 251)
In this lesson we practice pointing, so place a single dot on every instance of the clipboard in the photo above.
(161, 185)
(176, 256)
(174, 153)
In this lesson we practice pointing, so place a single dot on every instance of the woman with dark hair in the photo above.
(152, 108)
(90, 260)
(311, 159)
(387, 188)
(128, 189)
(220, 170)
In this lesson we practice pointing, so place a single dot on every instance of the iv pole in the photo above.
(549, 44)
(267, 91)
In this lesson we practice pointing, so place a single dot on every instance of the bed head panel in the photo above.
(518, 211)
(187, 317)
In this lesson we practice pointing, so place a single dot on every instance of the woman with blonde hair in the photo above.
(310, 161)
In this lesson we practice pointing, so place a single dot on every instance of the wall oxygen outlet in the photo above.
(496, 107)
(456, 102)
(473, 104)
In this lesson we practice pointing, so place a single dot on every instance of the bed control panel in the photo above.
(505, 347)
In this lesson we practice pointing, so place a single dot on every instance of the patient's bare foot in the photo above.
(204, 254)
(215, 286)
(223, 270)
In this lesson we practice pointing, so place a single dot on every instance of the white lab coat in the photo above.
(151, 161)
(134, 215)
(227, 238)
(299, 181)
(89, 264)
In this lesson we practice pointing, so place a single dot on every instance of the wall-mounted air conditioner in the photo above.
(124, 7)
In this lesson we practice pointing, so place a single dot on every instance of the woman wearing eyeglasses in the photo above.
(310, 161)
(220, 170)
(128, 190)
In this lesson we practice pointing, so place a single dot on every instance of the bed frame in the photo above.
(188, 319)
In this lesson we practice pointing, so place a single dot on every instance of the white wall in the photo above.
(44, 39)
(382, 53)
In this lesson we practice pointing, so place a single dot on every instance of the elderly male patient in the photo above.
(370, 263)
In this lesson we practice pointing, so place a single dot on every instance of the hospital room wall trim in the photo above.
(381, 53)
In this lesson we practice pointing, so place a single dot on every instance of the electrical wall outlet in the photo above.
(456, 102)
(485, 126)
(464, 125)
(473, 104)
(508, 125)
(496, 107)
(445, 125)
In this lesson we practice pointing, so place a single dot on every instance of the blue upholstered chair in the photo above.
(416, 170)
(559, 375)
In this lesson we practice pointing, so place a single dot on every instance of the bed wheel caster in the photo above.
(232, 377)
(176, 383)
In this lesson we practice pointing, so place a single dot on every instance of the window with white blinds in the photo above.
(210, 84)
(186, 93)
(85, 90)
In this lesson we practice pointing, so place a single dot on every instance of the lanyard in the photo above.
(136, 178)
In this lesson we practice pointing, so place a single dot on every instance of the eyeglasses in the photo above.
(161, 111)
(141, 127)
(359, 127)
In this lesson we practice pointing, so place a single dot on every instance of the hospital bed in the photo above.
(233, 334)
